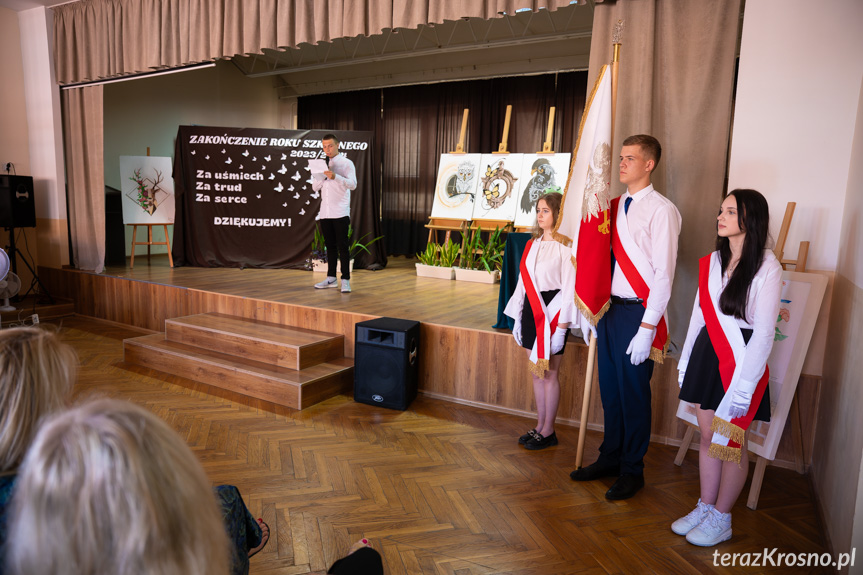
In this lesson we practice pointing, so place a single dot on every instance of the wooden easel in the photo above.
(794, 412)
(149, 242)
(450, 225)
(501, 149)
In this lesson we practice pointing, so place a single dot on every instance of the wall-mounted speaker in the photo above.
(386, 362)
(17, 205)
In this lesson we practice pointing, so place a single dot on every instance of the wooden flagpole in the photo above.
(591, 351)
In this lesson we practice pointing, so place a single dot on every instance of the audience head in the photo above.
(37, 372)
(108, 488)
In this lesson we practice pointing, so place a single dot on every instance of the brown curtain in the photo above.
(85, 175)
(416, 124)
(98, 39)
(676, 83)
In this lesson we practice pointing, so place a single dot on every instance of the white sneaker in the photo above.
(715, 529)
(686, 524)
(327, 283)
(346, 286)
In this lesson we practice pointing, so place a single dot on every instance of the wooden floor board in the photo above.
(441, 488)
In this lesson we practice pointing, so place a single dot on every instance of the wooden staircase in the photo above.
(285, 365)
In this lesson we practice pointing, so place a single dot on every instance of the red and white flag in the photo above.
(584, 216)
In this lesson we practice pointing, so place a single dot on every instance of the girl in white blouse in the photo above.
(542, 307)
(723, 367)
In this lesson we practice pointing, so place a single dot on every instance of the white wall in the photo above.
(798, 136)
(800, 70)
(147, 112)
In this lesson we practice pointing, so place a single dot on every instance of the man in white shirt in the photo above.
(335, 185)
(633, 331)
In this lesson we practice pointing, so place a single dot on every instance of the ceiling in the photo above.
(523, 43)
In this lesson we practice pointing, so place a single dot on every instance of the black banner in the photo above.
(245, 198)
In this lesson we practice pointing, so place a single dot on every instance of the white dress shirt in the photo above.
(762, 309)
(553, 270)
(336, 193)
(654, 224)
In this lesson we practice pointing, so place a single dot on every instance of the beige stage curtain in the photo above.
(85, 175)
(676, 83)
(98, 39)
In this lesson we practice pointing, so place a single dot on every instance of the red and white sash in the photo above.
(638, 272)
(545, 317)
(730, 348)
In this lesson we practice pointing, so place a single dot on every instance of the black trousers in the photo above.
(338, 245)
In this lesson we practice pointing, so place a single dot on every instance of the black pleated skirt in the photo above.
(702, 384)
(528, 328)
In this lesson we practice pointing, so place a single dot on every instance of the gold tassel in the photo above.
(538, 368)
(724, 453)
(728, 429)
(593, 319)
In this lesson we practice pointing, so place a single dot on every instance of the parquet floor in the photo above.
(438, 489)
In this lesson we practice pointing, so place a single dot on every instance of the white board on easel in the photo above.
(148, 190)
(540, 172)
(457, 181)
(497, 193)
(801, 298)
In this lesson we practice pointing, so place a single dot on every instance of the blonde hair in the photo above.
(37, 372)
(108, 488)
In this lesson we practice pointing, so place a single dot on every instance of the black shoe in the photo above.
(595, 470)
(527, 437)
(540, 442)
(625, 487)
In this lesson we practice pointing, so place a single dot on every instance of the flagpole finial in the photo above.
(618, 30)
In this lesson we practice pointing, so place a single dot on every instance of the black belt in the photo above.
(626, 300)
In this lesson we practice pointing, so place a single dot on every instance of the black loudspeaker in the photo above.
(17, 208)
(386, 362)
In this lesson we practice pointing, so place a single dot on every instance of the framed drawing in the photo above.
(457, 179)
(801, 298)
(148, 190)
(498, 187)
(539, 173)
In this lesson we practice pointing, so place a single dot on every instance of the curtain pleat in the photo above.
(98, 39)
(85, 175)
(419, 123)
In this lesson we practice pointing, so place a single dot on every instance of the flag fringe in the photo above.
(728, 429)
(588, 313)
(724, 453)
(538, 368)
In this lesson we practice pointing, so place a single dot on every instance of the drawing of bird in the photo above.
(542, 177)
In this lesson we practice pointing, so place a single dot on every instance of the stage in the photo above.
(462, 357)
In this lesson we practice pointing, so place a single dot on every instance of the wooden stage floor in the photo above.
(394, 291)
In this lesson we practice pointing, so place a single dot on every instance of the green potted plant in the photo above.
(481, 261)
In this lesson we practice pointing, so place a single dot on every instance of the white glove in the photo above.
(681, 373)
(586, 329)
(558, 338)
(740, 401)
(516, 331)
(639, 347)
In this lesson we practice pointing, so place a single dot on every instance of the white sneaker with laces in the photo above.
(686, 524)
(715, 529)
(330, 282)
(346, 286)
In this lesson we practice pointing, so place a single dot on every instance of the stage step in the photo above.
(248, 357)
(270, 343)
